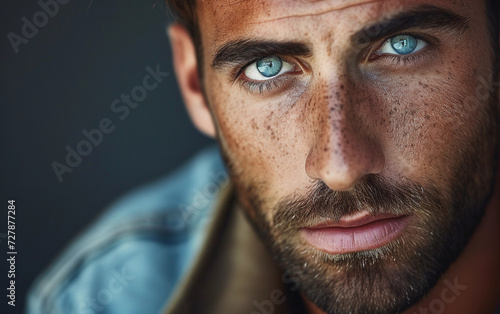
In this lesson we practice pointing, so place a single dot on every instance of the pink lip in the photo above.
(356, 233)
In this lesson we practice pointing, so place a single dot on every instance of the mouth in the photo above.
(356, 233)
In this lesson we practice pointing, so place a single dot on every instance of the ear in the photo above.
(186, 70)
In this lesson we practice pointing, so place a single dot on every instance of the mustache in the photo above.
(373, 194)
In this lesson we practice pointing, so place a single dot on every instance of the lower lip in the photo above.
(339, 240)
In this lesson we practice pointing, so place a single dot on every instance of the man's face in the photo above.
(360, 136)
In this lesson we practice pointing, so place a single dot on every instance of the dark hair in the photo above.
(184, 12)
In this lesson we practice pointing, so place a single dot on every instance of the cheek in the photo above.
(261, 138)
(429, 121)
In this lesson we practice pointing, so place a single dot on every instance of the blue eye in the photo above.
(269, 66)
(401, 45)
(404, 44)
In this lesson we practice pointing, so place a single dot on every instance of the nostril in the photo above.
(341, 169)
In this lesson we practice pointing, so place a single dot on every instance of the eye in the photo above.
(267, 68)
(401, 45)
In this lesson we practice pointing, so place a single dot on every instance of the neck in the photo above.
(471, 284)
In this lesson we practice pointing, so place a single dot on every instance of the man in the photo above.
(361, 141)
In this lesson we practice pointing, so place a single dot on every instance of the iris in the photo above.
(404, 44)
(269, 66)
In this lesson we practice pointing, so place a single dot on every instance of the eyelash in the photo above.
(278, 82)
(405, 61)
(267, 85)
(402, 60)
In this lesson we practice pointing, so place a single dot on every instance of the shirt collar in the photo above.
(234, 272)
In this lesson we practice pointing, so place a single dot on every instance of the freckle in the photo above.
(342, 86)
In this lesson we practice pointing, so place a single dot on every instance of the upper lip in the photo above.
(353, 221)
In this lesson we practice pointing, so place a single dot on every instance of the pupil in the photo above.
(269, 66)
(404, 44)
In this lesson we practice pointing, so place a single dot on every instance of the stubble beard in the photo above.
(389, 279)
(392, 278)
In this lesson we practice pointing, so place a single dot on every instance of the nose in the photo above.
(344, 150)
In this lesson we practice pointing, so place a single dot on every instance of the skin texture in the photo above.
(345, 122)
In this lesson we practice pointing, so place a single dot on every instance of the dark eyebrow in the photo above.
(423, 17)
(242, 51)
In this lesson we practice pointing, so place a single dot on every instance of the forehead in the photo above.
(225, 20)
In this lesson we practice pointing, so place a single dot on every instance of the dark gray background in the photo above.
(61, 82)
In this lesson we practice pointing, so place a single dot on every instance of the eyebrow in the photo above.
(423, 17)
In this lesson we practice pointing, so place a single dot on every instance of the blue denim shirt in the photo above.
(138, 250)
